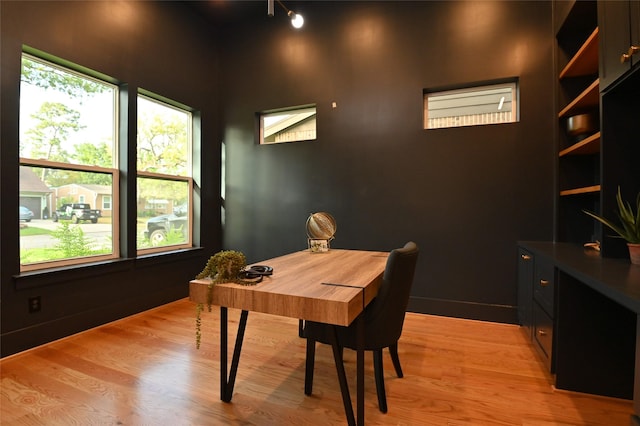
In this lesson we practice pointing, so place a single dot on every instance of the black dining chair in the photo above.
(383, 321)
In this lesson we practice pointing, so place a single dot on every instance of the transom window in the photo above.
(471, 106)
(288, 125)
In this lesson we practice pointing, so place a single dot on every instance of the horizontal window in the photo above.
(471, 106)
(288, 125)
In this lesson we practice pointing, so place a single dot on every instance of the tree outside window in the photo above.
(164, 175)
(67, 142)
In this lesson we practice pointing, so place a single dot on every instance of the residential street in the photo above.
(95, 232)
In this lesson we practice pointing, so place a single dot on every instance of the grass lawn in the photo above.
(31, 230)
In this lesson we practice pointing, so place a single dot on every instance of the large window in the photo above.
(69, 175)
(68, 169)
(164, 175)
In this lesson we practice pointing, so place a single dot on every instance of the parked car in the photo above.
(76, 212)
(181, 210)
(159, 226)
(25, 214)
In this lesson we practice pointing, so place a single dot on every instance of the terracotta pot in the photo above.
(634, 253)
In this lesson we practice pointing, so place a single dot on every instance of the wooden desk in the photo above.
(332, 288)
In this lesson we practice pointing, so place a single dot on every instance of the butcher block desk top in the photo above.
(332, 287)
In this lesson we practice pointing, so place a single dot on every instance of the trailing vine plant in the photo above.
(223, 267)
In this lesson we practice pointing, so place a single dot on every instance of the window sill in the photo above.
(53, 276)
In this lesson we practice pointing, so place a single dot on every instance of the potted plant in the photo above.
(629, 228)
(222, 267)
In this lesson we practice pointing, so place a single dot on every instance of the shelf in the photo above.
(585, 61)
(589, 145)
(589, 98)
(584, 190)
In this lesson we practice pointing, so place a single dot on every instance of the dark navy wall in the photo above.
(465, 195)
(159, 46)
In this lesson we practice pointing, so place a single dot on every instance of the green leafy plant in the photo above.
(223, 267)
(630, 220)
(71, 240)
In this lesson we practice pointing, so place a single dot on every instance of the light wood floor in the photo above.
(145, 370)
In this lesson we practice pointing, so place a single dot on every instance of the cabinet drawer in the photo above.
(525, 290)
(544, 285)
(543, 333)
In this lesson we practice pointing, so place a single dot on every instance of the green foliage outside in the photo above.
(174, 236)
(32, 230)
(71, 243)
(57, 121)
(41, 75)
(71, 240)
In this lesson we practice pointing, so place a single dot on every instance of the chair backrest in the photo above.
(384, 317)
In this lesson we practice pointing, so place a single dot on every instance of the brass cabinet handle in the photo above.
(542, 333)
(525, 257)
(544, 283)
(626, 57)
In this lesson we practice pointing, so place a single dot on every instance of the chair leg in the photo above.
(379, 375)
(308, 373)
(393, 350)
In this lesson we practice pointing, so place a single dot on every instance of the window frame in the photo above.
(188, 179)
(120, 141)
(113, 171)
(115, 219)
(299, 110)
(477, 119)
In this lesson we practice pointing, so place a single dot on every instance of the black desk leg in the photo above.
(226, 384)
(342, 377)
(360, 369)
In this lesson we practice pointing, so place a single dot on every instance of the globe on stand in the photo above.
(321, 229)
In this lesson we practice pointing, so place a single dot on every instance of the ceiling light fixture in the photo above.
(296, 19)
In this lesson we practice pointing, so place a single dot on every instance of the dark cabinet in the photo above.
(595, 341)
(543, 334)
(619, 23)
(536, 301)
(543, 308)
(598, 75)
(525, 290)
(585, 311)
(544, 285)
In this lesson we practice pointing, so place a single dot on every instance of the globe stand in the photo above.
(317, 245)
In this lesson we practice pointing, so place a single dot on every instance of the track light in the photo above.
(297, 21)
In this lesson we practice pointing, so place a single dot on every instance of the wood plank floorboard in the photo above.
(146, 370)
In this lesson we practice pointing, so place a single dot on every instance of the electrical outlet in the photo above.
(34, 304)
